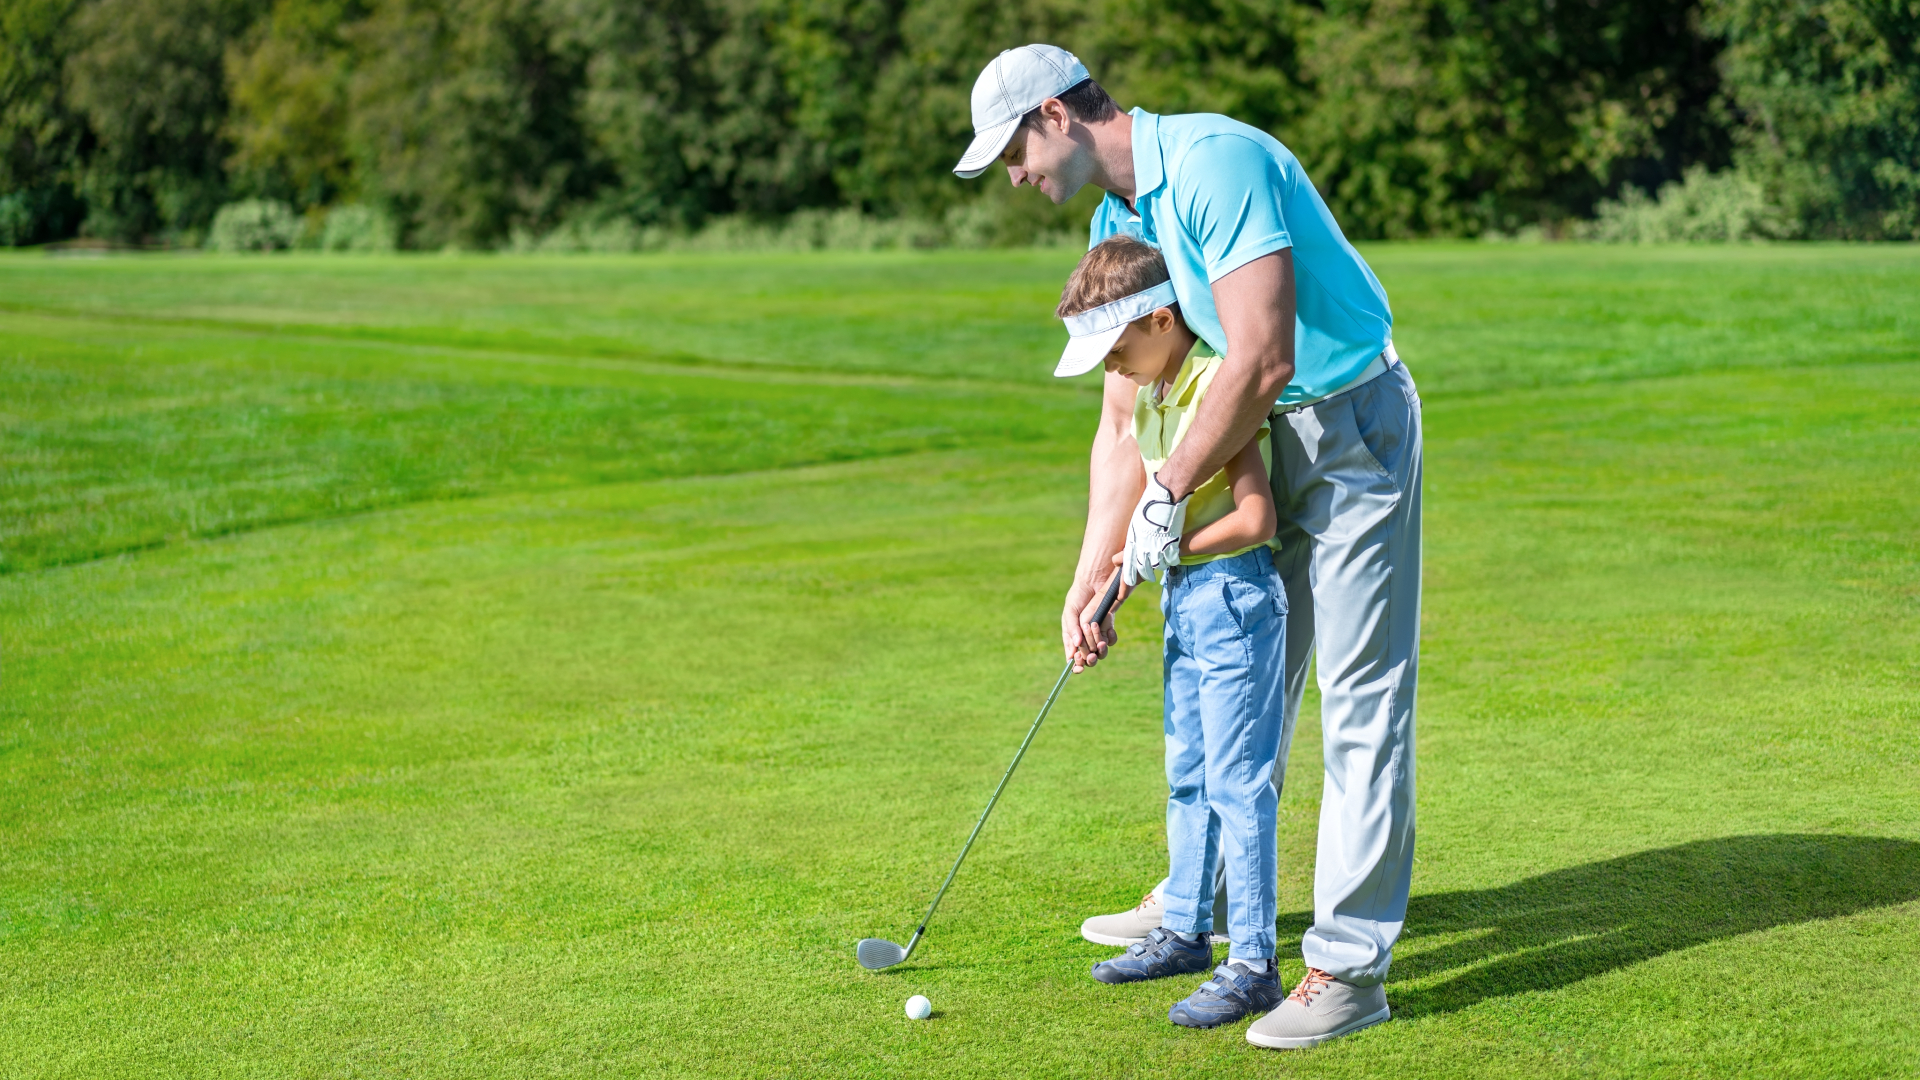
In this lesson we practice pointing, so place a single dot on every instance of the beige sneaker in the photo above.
(1130, 927)
(1126, 927)
(1320, 1009)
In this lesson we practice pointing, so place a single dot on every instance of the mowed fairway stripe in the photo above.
(612, 778)
(629, 359)
(116, 438)
(967, 314)
(1472, 317)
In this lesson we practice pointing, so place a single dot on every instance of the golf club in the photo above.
(877, 953)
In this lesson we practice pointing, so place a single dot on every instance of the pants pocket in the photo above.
(1381, 418)
(1251, 606)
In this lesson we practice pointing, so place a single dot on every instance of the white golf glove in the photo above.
(1153, 536)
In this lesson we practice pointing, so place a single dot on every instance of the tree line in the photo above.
(467, 122)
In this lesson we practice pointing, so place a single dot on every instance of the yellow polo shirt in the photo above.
(1159, 423)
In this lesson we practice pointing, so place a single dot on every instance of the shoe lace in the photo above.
(1313, 984)
(1144, 900)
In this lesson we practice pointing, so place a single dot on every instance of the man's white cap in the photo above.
(1094, 332)
(1013, 85)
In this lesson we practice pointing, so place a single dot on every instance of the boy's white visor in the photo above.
(1094, 332)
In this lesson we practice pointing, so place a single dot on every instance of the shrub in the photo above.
(586, 234)
(846, 229)
(16, 220)
(1826, 94)
(354, 227)
(1707, 207)
(35, 215)
(254, 225)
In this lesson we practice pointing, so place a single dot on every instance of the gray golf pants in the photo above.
(1346, 482)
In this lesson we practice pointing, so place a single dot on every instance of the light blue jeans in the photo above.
(1226, 626)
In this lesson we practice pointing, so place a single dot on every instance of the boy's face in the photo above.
(1148, 351)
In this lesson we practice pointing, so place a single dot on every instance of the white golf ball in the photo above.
(918, 1007)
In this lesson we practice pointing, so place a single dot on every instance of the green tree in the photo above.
(1828, 97)
(147, 77)
(465, 118)
(288, 79)
(686, 104)
(1438, 117)
(469, 121)
(917, 119)
(40, 135)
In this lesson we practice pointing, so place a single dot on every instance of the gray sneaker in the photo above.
(1131, 927)
(1320, 1009)
(1161, 954)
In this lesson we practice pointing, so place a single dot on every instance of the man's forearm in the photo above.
(1115, 480)
(1237, 403)
(1256, 307)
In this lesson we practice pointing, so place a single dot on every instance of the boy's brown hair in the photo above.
(1118, 266)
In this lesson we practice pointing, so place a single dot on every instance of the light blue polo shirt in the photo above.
(1216, 194)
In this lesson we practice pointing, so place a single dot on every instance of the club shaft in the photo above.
(1107, 602)
(1065, 672)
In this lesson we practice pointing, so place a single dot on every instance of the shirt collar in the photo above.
(1189, 373)
(1149, 172)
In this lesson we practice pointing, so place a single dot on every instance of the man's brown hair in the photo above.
(1118, 266)
(1086, 101)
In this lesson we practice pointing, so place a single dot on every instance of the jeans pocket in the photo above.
(1249, 605)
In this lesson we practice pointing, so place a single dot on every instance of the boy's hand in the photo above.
(1153, 534)
(1087, 644)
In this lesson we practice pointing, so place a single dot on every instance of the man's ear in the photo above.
(1054, 113)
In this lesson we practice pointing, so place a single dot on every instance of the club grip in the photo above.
(1107, 601)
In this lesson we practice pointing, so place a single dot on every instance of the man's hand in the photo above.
(1115, 476)
(1153, 534)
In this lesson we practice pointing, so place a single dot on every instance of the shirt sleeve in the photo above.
(1228, 199)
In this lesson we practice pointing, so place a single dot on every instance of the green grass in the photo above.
(400, 684)
(124, 437)
(156, 399)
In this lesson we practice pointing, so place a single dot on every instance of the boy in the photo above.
(1225, 611)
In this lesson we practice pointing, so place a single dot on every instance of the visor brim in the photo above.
(1083, 354)
(985, 149)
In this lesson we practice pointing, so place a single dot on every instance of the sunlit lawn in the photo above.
(440, 667)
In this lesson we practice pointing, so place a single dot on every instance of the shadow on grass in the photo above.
(1556, 929)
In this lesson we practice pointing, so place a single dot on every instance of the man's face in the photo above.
(1047, 156)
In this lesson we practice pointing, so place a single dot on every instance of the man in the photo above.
(1264, 276)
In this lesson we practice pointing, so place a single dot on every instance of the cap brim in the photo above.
(1083, 354)
(985, 149)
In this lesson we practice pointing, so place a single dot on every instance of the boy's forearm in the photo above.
(1237, 531)
(1252, 519)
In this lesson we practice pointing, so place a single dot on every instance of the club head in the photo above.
(876, 953)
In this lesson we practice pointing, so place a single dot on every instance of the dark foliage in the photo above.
(471, 120)
(1828, 95)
